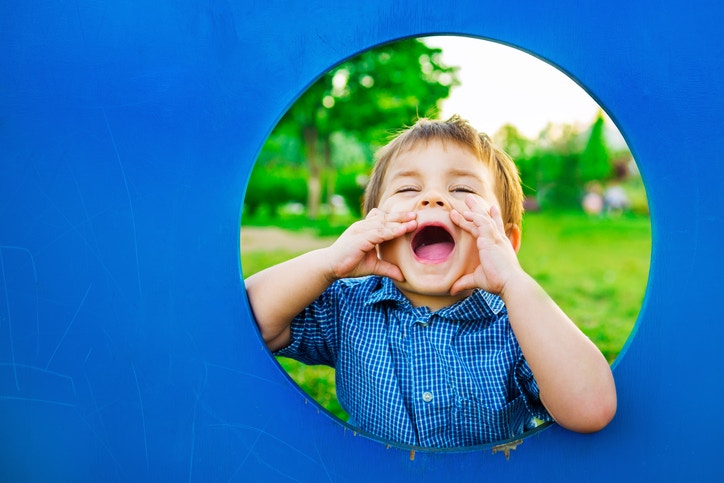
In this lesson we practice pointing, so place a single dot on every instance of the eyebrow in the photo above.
(408, 173)
(411, 173)
(465, 173)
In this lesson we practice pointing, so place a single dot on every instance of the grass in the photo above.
(595, 268)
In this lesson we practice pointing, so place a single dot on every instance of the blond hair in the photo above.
(457, 131)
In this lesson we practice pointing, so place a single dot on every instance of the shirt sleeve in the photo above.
(314, 332)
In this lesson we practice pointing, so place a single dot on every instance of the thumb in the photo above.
(466, 282)
(387, 269)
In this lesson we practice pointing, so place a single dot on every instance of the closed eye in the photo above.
(405, 189)
(462, 189)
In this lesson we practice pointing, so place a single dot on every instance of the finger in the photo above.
(374, 213)
(394, 217)
(484, 214)
(462, 222)
(479, 211)
(481, 222)
(393, 229)
(497, 218)
(379, 226)
(379, 233)
(477, 204)
(390, 225)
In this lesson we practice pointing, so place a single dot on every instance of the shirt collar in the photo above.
(480, 304)
(386, 291)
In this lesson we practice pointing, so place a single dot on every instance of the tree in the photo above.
(595, 159)
(385, 87)
(522, 150)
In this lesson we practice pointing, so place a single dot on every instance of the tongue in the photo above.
(435, 251)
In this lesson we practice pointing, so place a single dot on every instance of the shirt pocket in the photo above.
(479, 424)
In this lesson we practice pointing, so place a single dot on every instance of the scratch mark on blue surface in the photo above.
(321, 460)
(31, 399)
(46, 371)
(193, 446)
(130, 201)
(104, 443)
(10, 322)
(143, 416)
(70, 324)
(98, 411)
(265, 433)
(274, 467)
(193, 438)
(246, 456)
(37, 296)
(103, 438)
(75, 227)
(193, 423)
(243, 373)
(87, 218)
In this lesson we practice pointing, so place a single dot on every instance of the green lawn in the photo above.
(595, 268)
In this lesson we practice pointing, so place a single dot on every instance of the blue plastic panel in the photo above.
(128, 131)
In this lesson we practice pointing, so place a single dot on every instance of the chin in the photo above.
(434, 298)
(429, 286)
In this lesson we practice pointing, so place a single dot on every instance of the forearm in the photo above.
(575, 380)
(279, 293)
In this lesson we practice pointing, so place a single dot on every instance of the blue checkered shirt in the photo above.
(451, 378)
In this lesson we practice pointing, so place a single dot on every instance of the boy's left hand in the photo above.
(498, 259)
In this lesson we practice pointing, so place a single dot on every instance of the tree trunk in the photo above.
(331, 174)
(314, 183)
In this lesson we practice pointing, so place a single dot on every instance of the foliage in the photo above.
(332, 131)
(557, 167)
(595, 163)
(390, 85)
(286, 184)
(325, 226)
(351, 185)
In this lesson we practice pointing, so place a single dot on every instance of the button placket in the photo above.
(426, 320)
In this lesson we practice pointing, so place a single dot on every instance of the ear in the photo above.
(514, 234)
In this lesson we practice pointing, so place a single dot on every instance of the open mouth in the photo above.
(432, 244)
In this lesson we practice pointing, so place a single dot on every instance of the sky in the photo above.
(503, 85)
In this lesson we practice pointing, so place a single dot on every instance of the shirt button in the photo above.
(427, 396)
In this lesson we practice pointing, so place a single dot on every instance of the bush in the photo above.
(349, 187)
(273, 186)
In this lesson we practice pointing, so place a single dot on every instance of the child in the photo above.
(438, 336)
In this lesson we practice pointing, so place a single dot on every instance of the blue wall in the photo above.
(128, 131)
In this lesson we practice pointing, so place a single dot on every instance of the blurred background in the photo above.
(586, 231)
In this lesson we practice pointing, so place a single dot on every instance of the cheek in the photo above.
(388, 206)
(396, 204)
(469, 250)
(458, 203)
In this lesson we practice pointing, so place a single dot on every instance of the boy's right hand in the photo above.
(354, 253)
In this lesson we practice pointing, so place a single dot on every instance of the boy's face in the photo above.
(431, 180)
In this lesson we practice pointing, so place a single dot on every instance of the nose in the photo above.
(431, 199)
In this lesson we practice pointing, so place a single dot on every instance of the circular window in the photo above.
(586, 234)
